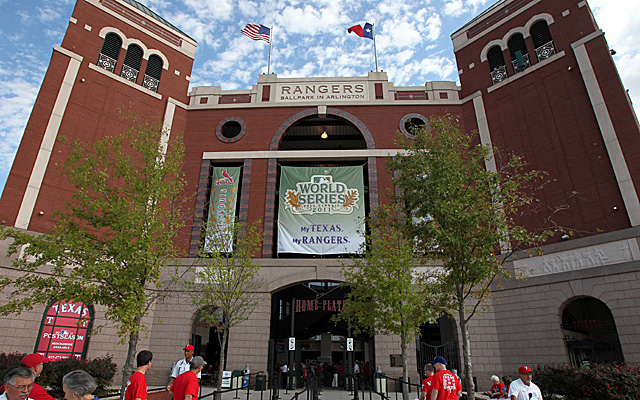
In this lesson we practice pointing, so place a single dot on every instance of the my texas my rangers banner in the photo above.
(321, 210)
(222, 209)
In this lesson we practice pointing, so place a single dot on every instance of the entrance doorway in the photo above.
(305, 312)
(438, 338)
(206, 343)
(590, 333)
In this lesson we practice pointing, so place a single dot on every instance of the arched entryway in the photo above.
(206, 342)
(438, 338)
(590, 333)
(305, 312)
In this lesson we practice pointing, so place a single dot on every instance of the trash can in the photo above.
(236, 379)
(261, 382)
(381, 382)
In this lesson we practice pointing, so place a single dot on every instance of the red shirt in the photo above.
(136, 387)
(497, 388)
(447, 385)
(39, 393)
(186, 383)
(427, 386)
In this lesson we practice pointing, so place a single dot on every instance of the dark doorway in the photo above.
(322, 132)
(590, 333)
(439, 338)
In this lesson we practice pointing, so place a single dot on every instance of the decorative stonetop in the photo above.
(579, 259)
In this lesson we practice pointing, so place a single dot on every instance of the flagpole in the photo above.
(375, 52)
(270, 43)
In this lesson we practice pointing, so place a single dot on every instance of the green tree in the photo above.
(111, 241)
(465, 215)
(226, 283)
(391, 291)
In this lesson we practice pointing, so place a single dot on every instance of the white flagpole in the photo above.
(270, 43)
(375, 52)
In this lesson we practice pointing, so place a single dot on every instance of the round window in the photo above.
(231, 129)
(410, 124)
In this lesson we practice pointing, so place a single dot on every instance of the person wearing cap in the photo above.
(137, 384)
(35, 363)
(182, 365)
(17, 384)
(186, 386)
(446, 386)
(427, 383)
(523, 388)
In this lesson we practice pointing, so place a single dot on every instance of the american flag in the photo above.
(257, 32)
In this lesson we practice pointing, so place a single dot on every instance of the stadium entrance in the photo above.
(305, 313)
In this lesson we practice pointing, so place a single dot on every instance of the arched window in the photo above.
(519, 54)
(110, 52)
(132, 61)
(542, 40)
(497, 65)
(152, 73)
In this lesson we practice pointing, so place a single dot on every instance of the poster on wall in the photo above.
(64, 332)
(222, 209)
(321, 210)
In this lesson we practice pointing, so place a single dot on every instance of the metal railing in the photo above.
(238, 388)
(499, 74)
(106, 62)
(545, 51)
(150, 83)
(128, 73)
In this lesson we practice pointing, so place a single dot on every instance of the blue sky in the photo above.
(310, 39)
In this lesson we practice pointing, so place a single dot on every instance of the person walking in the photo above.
(446, 386)
(523, 388)
(186, 386)
(182, 365)
(427, 383)
(137, 384)
(35, 363)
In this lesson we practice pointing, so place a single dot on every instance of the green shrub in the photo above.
(588, 383)
(102, 369)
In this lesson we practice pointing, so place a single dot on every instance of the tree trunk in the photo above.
(466, 347)
(127, 368)
(223, 346)
(405, 378)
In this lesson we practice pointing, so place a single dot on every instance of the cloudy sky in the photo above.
(310, 39)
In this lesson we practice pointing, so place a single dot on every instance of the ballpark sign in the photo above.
(321, 210)
(299, 92)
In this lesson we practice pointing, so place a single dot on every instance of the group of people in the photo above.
(19, 383)
(79, 385)
(441, 384)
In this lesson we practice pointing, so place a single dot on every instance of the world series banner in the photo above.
(321, 210)
(222, 209)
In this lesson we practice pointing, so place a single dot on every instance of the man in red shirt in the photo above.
(446, 385)
(35, 363)
(185, 387)
(427, 383)
(137, 384)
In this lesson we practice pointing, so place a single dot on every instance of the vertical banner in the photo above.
(321, 210)
(222, 209)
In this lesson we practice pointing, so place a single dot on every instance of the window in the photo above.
(152, 73)
(518, 52)
(110, 52)
(132, 61)
(542, 40)
(497, 65)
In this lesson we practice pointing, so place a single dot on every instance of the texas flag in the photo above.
(364, 32)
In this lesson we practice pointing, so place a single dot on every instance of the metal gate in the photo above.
(602, 351)
(427, 352)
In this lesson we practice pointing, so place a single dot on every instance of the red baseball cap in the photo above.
(188, 347)
(31, 360)
(524, 370)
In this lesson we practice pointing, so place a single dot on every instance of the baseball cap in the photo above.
(524, 370)
(31, 360)
(440, 360)
(188, 347)
(197, 362)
